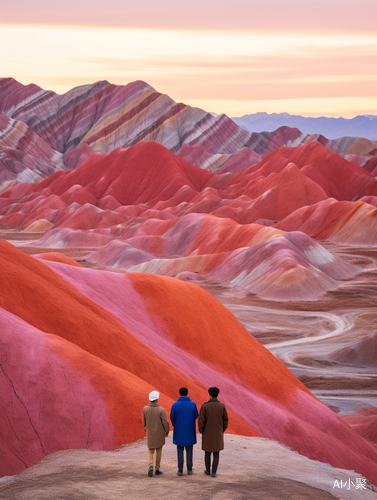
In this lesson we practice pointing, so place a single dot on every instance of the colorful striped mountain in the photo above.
(41, 132)
(144, 209)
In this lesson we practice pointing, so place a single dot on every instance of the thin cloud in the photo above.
(332, 16)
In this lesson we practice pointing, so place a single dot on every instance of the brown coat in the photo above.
(155, 424)
(213, 421)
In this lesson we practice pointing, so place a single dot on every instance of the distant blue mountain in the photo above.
(332, 128)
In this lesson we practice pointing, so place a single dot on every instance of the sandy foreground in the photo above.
(249, 468)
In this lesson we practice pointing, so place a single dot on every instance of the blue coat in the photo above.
(183, 416)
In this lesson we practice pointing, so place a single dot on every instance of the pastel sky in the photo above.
(235, 57)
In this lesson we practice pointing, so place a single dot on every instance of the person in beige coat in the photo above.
(156, 426)
(213, 421)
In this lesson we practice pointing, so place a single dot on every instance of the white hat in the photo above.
(154, 395)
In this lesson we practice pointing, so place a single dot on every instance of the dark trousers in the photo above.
(189, 450)
(215, 462)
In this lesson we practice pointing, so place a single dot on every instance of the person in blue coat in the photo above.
(183, 416)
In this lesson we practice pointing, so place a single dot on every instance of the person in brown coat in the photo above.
(213, 421)
(156, 426)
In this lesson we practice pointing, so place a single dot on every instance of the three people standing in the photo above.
(213, 421)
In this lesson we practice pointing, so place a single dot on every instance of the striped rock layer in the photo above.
(43, 128)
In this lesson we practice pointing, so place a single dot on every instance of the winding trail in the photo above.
(316, 334)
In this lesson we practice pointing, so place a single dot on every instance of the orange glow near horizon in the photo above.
(236, 72)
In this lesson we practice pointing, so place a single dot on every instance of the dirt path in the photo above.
(250, 468)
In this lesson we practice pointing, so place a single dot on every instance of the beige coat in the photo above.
(213, 421)
(156, 425)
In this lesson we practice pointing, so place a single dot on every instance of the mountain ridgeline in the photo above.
(332, 128)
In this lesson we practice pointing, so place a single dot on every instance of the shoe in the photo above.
(180, 473)
(213, 474)
(158, 472)
(150, 471)
(207, 472)
(189, 472)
